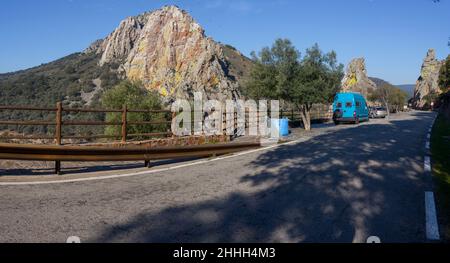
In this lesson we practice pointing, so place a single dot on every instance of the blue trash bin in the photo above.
(284, 127)
(281, 125)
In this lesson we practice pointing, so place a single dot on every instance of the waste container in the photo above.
(281, 126)
(284, 127)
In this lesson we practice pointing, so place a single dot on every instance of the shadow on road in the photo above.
(81, 168)
(339, 187)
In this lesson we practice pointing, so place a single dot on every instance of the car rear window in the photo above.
(348, 104)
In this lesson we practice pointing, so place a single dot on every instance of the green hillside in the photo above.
(70, 79)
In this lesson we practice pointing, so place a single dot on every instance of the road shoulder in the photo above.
(440, 150)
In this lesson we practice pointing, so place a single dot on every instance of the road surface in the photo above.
(343, 185)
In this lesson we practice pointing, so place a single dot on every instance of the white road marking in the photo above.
(432, 227)
(427, 164)
(428, 136)
(427, 145)
(153, 171)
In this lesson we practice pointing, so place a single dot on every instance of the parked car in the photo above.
(350, 107)
(378, 112)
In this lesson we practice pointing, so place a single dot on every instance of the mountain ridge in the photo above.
(79, 79)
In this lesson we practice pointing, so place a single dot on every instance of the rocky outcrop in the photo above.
(356, 79)
(169, 52)
(427, 83)
(118, 45)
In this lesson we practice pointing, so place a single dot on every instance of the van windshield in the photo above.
(348, 104)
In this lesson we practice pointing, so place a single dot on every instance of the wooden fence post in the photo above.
(58, 123)
(235, 117)
(58, 134)
(224, 122)
(174, 115)
(124, 123)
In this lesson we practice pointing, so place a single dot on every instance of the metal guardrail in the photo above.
(318, 112)
(60, 153)
(58, 123)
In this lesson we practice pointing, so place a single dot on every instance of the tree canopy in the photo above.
(444, 76)
(281, 73)
(392, 97)
(134, 96)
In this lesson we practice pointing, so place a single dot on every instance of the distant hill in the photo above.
(76, 80)
(239, 66)
(379, 82)
(409, 88)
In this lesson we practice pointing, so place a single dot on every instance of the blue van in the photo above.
(350, 107)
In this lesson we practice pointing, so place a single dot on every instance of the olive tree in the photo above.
(281, 73)
(134, 96)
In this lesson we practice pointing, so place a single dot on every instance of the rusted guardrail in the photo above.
(59, 153)
(318, 112)
(59, 122)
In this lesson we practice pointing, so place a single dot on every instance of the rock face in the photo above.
(356, 79)
(169, 52)
(428, 80)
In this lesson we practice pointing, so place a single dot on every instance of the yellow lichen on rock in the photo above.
(178, 78)
(142, 46)
(163, 92)
(356, 79)
(214, 81)
(134, 73)
(352, 80)
(170, 53)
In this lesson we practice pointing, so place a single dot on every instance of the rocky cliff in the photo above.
(356, 79)
(169, 52)
(427, 83)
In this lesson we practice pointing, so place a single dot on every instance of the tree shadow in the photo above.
(81, 168)
(342, 186)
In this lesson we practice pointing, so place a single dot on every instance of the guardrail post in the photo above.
(58, 123)
(58, 133)
(235, 123)
(224, 122)
(174, 115)
(124, 123)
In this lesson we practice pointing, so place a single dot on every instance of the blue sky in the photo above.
(393, 36)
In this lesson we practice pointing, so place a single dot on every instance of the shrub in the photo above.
(134, 96)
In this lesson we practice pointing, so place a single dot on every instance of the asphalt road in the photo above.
(343, 185)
